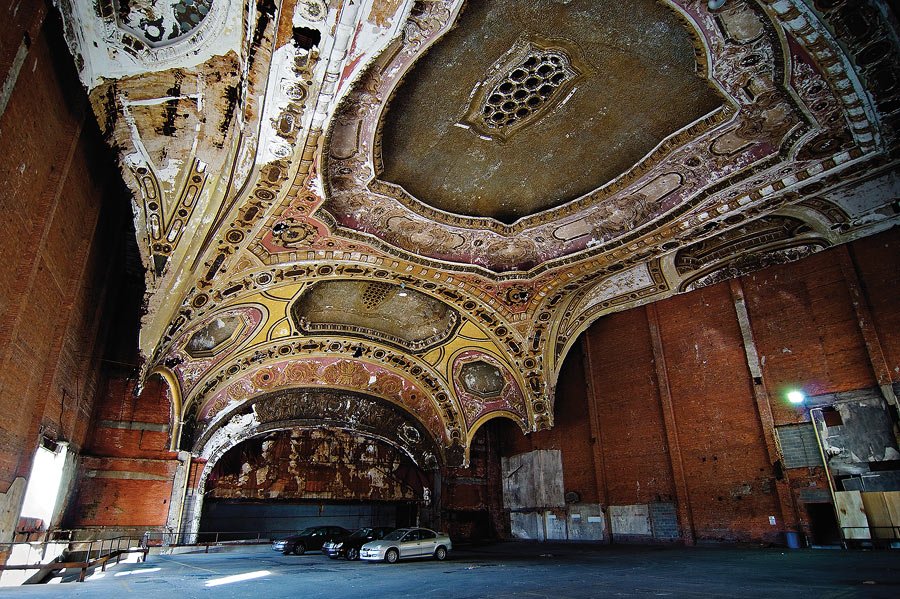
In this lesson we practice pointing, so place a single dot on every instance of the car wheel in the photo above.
(299, 549)
(440, 553)
(392, 556)
(352, 554)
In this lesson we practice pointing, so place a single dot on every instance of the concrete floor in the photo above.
(502, 570)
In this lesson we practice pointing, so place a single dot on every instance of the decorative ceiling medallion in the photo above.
(160, 23)
(392, 314)
(222, 332)
(313, 10)
(523, 86)
(159, 34)
(359, 412)
(484, 385)
(482, 379)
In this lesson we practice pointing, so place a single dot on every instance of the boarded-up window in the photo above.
(533, 480)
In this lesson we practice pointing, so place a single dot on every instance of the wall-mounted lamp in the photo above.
(796, 397)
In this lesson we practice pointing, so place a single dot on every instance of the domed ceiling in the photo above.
(504, 122)
(406, 211)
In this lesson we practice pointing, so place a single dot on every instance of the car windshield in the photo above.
(306, 531)
(396, 535)
(362, 533)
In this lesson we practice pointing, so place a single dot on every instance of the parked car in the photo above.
(309, 539)
(349, 547)
(405, 543)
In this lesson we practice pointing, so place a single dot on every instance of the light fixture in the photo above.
(796, 397)
(715, 4)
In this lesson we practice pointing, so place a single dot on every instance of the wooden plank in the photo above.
(892, 502)
(852, 515)
(631, 520)
(877, 514)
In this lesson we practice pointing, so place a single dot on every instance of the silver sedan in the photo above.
(406, 543)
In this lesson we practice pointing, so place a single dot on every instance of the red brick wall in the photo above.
(805, 329)
(571, 408)
(704, 418)
(730, 480)
(145, 414)
(572, 430)
(21, 23)
(632, 454)
(121, 493)
(877, 262)
(54, 178)
(125, 477)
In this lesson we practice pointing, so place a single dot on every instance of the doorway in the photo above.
(823, 524)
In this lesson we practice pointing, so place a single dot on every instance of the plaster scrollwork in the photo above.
(312, 10)
(745, 63)
(426, 18)
(115, 38)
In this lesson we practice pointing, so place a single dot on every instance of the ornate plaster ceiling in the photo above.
(505, 122)
(516, 169)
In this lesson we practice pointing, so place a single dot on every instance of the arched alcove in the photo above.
(285, 480)
(295, 457)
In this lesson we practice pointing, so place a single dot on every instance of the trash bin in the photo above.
(792, 539)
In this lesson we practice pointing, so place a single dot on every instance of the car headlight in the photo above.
(338, 545)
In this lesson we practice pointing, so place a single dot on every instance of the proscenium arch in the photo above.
(291, 426)
(439, 415)
(243, 425)
(325, 408)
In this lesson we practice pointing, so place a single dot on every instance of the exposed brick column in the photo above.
(24, 21)
(786, 503)
(596, 435)
(682, 498)
(866, 325)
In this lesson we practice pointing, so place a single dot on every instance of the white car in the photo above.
(406, 543)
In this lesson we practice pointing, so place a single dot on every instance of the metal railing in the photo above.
(88, 553)
(82, 555)
(885, 537)
(236, 537)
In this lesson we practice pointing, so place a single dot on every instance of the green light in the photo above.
(796, 397)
